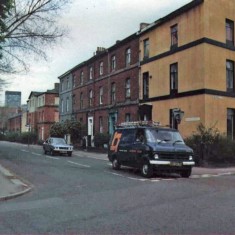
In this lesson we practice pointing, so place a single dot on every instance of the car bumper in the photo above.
(172, 163)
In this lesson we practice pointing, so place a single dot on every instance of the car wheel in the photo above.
(186, 173)
(70, 154)
(115, 164)
(147, 170)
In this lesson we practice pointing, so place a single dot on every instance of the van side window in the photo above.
(128, 136)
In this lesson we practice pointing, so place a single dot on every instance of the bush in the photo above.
(24, 138)
(100, 139)
(211, 147)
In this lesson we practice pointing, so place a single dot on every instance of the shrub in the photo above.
(12, 136)
(100, 139)
(211, 147)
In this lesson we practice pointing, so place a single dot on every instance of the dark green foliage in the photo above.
(73, 128)
(68, 127)
(211, 147)
(24, 138)
(57, 130)
(100, 139)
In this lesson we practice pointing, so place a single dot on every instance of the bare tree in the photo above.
(29, 28)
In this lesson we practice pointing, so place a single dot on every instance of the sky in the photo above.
(91, 24)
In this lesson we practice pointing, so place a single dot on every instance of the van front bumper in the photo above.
(172, 163)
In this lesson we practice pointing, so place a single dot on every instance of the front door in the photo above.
(112, 122)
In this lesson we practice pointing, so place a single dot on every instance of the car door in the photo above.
(125, 146)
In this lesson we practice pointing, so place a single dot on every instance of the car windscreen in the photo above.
(163, 136)
(59, 141)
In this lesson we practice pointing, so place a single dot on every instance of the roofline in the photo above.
(105, 52)
(171, 16)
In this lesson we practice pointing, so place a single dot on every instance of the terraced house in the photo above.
(181, 62)
(187, 63)
(104, 88)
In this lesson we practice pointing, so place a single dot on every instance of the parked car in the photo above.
(150, 147)
(57, 146)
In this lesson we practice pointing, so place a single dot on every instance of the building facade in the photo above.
(187, 63)
(43, 111)
(105, 88)
(65, 91)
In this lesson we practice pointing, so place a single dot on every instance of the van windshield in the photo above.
(163, 136)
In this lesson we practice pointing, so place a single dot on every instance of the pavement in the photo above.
(12, 186)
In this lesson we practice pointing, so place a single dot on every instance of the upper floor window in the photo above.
(101, 68)
(174, 78)
(127, 117)
(101, 124)
(145, 85)
(91, 73)
(113, 63)
(128, 56)
(128, 88)
(67, 104)
(81, 78)
(113, 92)
(90, 98)
(62, 105)
(146, 48)
(230, 75)
(68, 83)
(62, 85)
(229, 32)
(101, 95)
(174, 36)
(81, 100)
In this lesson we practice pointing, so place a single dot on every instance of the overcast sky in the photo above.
(92, 24)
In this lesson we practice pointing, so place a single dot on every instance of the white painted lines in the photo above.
(78, 164)
(56, 158)
(23, 150)
(37, 154)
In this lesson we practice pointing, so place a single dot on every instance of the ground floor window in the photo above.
(231, 123)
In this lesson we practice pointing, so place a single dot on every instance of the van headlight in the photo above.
(190, 158)
(156, 156)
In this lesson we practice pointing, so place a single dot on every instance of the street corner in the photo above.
(11, 185)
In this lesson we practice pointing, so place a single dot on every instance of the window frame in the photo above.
(90, 98)
(145, 85)
(113, 63)
(101, 94)
(229, 29)
(128, 88)
(101, 68)
(229, 76)
(128, 57)
(146, 48)
(174, 36)
(174, 71)
(113, 92)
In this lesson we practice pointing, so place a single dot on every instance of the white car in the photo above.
(55, 146)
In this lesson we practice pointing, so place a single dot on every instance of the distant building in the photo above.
(43, 111)
(13, 99)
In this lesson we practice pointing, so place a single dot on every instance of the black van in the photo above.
(150, 147)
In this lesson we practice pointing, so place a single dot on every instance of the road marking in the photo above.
(37, 154)
(86, 156)
(23, 150)
(75, 163)
(56, 158)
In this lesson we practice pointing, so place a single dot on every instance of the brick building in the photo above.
(105, 88)
(43, 111)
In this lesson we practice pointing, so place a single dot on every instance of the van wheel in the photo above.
(115, 164)
(186, 173)
(147, 170)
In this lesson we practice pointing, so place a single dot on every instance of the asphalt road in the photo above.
(82, 195)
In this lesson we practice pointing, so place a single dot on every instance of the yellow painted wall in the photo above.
(216, 12)
(190, 28)
(190, 72)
